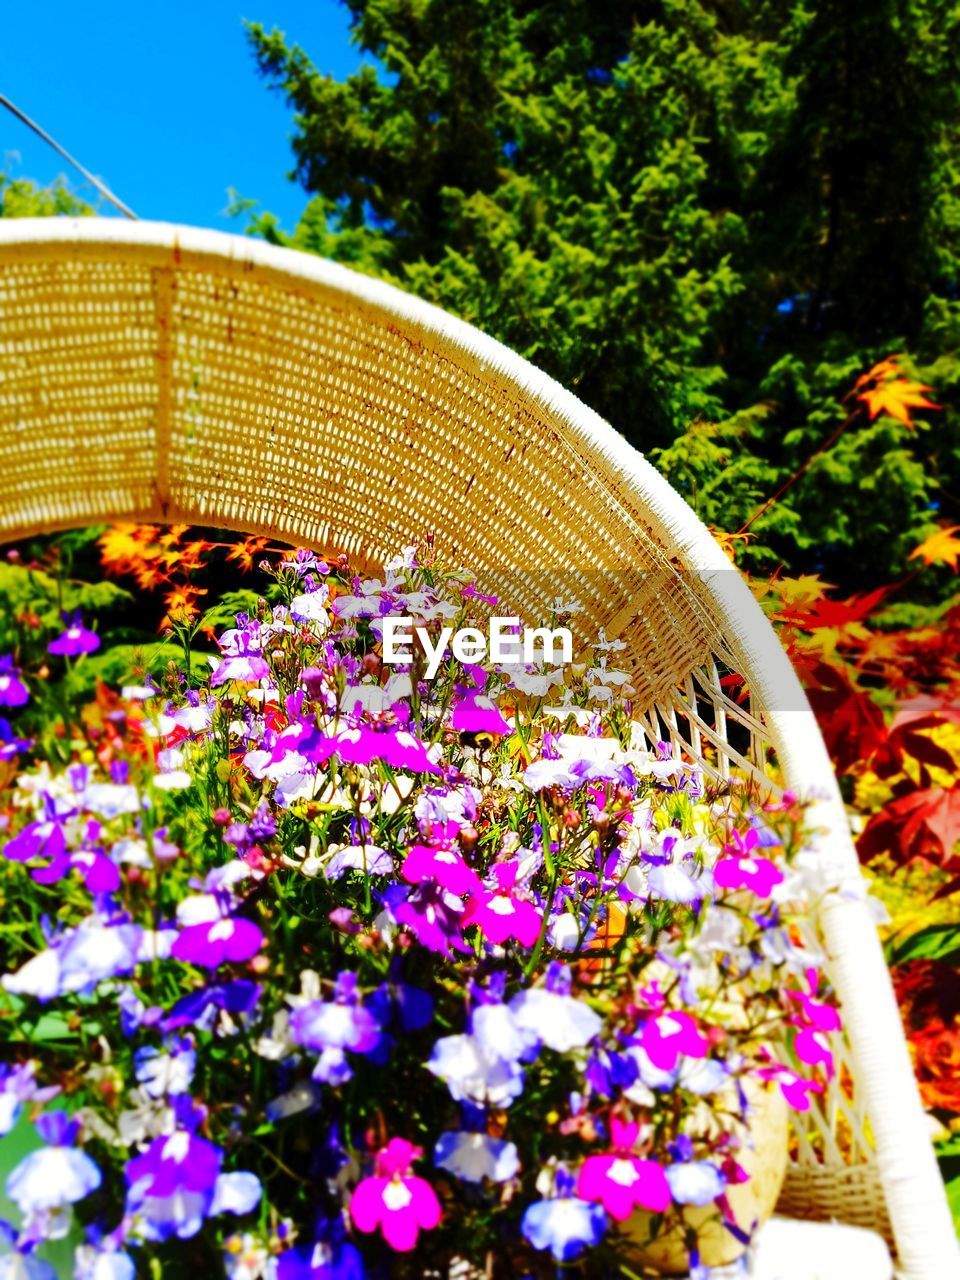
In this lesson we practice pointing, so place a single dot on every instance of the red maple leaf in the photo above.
(852, 724)
(835, 614)
(919, 824)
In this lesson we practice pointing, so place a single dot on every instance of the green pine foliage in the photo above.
(703, 217)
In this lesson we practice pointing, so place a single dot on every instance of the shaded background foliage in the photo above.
(705, 218)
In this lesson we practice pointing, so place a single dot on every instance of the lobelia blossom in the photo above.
(13, 692)
(10, 744)
(369, 859)
(433, 915)
(476, 1156)
(168, 1071)
(103, 1258)
(478, 713)
(696, 1182)
(213, 936)
(796, 1091)
(443, 865)
(243, 658)
(553, 1015)
(55, 1176)
(667, 1036)
(18, 1085)
(566, 1225)
(176, 1183)
(502, 915)
(483, 1066)
(330, 1256)
(740, 868)
(332, 1027)
(75, 640)
(399, 1203)
(621, 1181)
(17, 1261)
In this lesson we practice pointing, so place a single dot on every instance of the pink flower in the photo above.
(622, 1182)
(396, 1201)
(796, 1091)
(443, 865)
(759, 875)
(501, 915)
(813, 1048)
(669, 1035)
(817, 1014)
(476, 713)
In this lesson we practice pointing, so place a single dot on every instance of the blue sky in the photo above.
(162, 101)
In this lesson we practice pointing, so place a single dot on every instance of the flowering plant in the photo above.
(316, 968)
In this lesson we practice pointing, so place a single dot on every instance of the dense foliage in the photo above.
(704, 217)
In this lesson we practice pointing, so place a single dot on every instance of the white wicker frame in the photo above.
(171, 374)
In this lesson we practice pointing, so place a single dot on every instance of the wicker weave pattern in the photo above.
(166, 374)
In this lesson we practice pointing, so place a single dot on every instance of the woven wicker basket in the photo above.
(169, 374)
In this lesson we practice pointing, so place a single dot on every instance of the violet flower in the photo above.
(75, 640)
(13, 692)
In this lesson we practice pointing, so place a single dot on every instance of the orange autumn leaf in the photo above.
(941, 547)
(245, 552)
(181, 605)
(886, 390)
(729, 542)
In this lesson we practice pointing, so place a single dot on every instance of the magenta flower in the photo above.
(214, 942)
(476, 713)
(760, 875)
(13, 692)
(397, 748)
(502, 915)
(443, 865)
(397, 1202)
(622, 1182)
(796, 1091)
(820, 1016)
(669, 1035)
(813, 1048)
(434, 916)
(77, 639)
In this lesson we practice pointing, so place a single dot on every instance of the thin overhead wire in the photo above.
(42, 133)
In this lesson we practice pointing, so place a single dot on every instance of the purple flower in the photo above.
(476, 713)
(201, 1008)
(76, 640)
(171, 1185)
(329, 1257)
(10, 744)
(166, 1072)
(330, 1027)
(434, 917)
(43, 839)
(215, 942)
(397, 748)
(13, 692)
(17, 1086)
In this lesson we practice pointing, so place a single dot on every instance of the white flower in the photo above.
(561, 1021)
(51, 1178)
(475, 1156)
